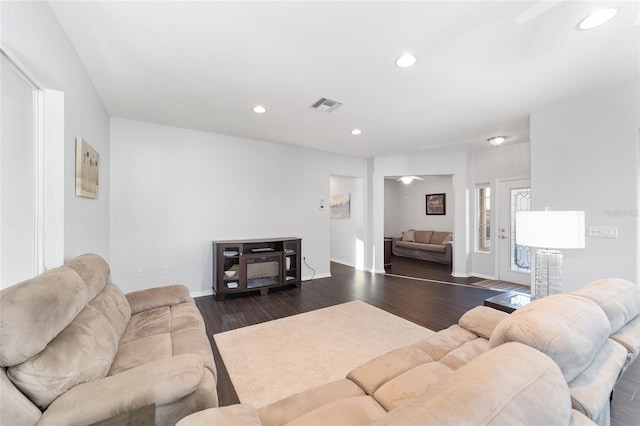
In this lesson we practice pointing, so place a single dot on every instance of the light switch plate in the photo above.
(603, 231)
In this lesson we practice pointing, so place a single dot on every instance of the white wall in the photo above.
(34, 36)
(487, 167)
(408, 205)
(348, 234)
(173, 191)
(584, 156)
(454, 164)
(392, 214)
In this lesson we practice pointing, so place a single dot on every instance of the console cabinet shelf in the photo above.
(249, 265)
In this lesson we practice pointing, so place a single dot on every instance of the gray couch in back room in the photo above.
(430, 245)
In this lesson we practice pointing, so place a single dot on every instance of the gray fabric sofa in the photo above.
(75, 350)
(433, 246)
(553, 361)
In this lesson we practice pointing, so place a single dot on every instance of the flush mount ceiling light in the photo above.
(258, 109)
(496, 140)
(408, 179)
(406, 60)
(596, 19)
(356, 132)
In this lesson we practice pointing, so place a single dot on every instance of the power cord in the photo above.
(304, 259)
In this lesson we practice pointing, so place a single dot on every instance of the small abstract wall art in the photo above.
(340, 206)
(87, 171)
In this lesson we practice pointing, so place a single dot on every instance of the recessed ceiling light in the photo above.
(356, 132)
(258, 109)
(496, 140)
(597, 18)
(406, 60)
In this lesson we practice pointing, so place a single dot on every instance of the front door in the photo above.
(514, 260)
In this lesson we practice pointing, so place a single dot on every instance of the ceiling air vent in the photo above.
(325, 105)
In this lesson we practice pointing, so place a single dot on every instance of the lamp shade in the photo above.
(550, 229)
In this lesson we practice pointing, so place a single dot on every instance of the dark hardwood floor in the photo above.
(430, 304)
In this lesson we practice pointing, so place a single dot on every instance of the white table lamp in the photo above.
(547, 231)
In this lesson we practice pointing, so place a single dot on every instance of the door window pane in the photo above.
(520, 255)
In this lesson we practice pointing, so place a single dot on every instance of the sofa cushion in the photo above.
(162, 333)
(465, 353)
(569, 329)
(287, 409)
(407, 244)
(482, 320)
(509, 384)
(357, 410)
(440, 237)
(236, 415)
(629, 337)
(423, 236)
(434, 248)
(371, 375)
(444, 341)
(411, 383)
(408, 236)
(82, 352)
(93, 270)
(51, 300)
(619, 299)
(590, 391)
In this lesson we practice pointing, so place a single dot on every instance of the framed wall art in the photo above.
(436, 204)
(340, 207)
(87, 171)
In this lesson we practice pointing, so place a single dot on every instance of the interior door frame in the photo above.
(521, 278)
(48, 163)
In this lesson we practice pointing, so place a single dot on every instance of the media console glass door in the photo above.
(263, 269)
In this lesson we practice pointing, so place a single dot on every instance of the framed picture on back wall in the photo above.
(436, 204)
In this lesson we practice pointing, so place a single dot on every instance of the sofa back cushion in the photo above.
(569, 329)
(441, 237)
(83, 351)
(408, 236)
(618, 298)
(423, 236)
(35, 311)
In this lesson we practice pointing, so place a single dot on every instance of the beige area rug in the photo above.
(272, 360)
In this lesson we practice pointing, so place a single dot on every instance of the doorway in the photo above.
(513, 260)
(405, 208)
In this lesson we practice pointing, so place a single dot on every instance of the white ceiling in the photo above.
(204, 65)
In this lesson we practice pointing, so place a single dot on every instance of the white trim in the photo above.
(48, 163)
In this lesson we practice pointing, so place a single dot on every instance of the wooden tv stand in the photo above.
(240, 266)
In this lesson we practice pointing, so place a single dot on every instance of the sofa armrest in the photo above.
(482, 320)
(152, 298)
(158, 382)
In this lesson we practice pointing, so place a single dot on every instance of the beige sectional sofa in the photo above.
(554, 361)
(433, 246)
(75, 350)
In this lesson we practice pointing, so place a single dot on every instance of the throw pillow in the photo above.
(408, 236)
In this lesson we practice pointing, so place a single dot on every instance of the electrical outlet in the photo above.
(140, 272)
(165, 270)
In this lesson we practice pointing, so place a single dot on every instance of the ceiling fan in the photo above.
(408, 179)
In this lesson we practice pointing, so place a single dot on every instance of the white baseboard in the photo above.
(201, 293)
(484, 276)
(342, 262)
